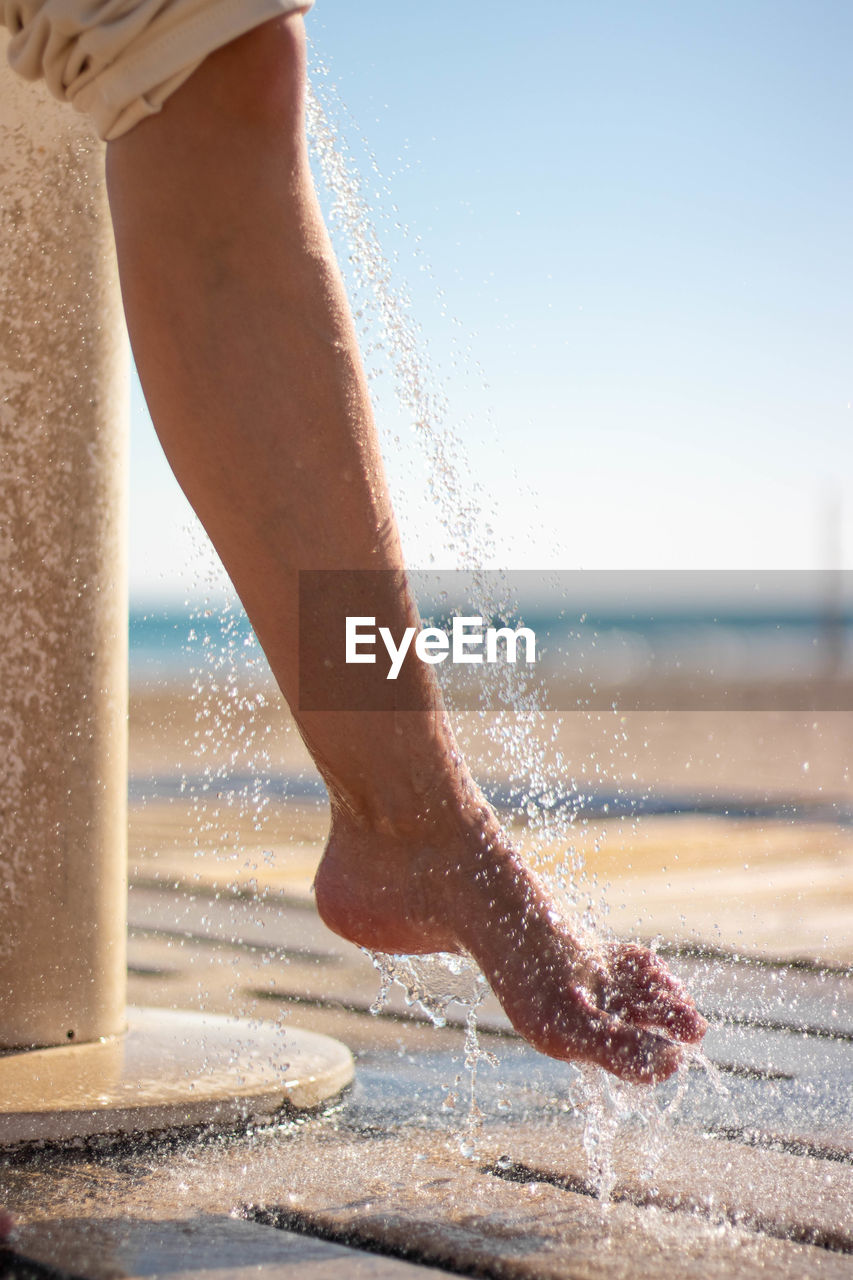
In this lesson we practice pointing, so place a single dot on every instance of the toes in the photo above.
(683, 1022)
(673, 1012)
(588, 1034)
(645, 993)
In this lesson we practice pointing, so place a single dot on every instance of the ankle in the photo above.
(450, 816)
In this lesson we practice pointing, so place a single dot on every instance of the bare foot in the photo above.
(467, 891)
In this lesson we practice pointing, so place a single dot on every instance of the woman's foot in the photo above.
(464, 889)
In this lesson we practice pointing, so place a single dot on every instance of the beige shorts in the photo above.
(118, 60)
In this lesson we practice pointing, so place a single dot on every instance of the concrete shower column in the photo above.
(68, 1068)
(63, 607)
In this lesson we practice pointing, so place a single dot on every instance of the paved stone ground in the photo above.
(752, 1173)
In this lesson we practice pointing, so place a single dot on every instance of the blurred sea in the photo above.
(612, 647)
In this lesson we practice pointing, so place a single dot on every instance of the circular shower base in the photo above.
(169, 1070)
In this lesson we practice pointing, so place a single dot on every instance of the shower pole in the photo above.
(63, 581)
(73, 1059)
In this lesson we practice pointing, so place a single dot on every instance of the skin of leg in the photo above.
(249, 360)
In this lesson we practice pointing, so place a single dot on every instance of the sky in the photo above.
(625, 232)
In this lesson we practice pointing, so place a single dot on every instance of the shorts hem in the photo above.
(138, 83)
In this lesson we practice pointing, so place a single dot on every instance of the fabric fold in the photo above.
(119, 60)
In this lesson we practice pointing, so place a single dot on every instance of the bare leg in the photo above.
(247, 352)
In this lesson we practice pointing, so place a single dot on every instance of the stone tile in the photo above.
(203, 1247)
(781, 1195)
(414, 1196)
(713, 1210)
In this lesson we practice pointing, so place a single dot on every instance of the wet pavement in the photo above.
(388, 1181)
(742, 1169)
(749, 1170)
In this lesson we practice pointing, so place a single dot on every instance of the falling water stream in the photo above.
(517, 732)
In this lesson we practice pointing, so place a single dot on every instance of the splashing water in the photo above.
(518, 731)
(434, 983)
